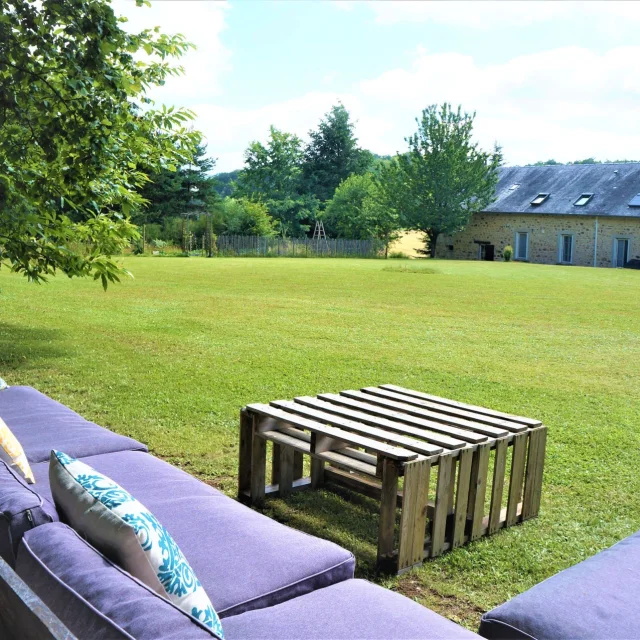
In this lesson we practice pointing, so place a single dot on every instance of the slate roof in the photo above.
(613, 186)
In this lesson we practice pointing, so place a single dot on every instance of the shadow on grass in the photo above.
(20, 346)
(336, 514)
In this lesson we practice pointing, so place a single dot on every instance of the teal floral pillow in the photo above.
(121, 527)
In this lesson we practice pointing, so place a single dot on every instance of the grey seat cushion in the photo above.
(21, 509)
(42, 424)
(353, 609)
(243, 559)
(92, 596)
(595, 599)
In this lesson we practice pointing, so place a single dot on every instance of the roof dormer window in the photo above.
(583, 199)
(540, 198)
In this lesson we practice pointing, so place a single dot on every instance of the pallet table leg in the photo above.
(317, 473)
(258, 467)
(413, 522)
(462, 497)
(438, 529)
(244, 462)
(298, 464)
(517, 477)
(286, 471)
(388, 500)
(478, 489)
(533, 480)
(499, 468)
(275, 464)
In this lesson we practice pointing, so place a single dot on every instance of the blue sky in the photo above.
(547, 79)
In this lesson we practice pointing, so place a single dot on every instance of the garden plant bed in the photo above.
(367, 440)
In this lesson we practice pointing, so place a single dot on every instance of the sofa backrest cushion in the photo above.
(42, 424)
(120, 526)
(94, 597)
(21, 509)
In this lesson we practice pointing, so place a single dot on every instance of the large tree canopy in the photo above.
(332, 154)
(272, 174)
(78, 133)
(359, 210)
(172, 193)
(444, 177)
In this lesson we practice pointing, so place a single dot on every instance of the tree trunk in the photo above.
(432, 234)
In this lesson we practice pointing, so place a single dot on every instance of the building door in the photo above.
(620, 252)
(489, 251)
(566, 248)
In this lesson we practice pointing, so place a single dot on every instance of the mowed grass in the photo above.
(170, 357)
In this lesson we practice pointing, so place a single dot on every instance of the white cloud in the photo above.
(491, 14)
(564, 103)
(201, 23)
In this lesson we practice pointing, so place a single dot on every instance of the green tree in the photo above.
(540, 163)
(171, 193)
(359, 210)
(444, 177)
(78, 133)
(332, 154)
(239, 216)
(272, 175)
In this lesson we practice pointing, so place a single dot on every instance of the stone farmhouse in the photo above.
(582, 214)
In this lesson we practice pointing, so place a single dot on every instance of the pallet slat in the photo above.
(501, 423)
(409, 417)
(529, 422)
(415, 408)
(395, 453)
(442, 441)
(350, 425)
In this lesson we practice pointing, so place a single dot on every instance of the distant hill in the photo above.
(223, 182)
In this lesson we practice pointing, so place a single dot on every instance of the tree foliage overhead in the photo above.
(444, 177)
(332, 154)
(273, 175)
(78, 134)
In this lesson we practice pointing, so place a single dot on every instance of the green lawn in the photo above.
(170, 357)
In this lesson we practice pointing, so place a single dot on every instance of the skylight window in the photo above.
(514, 186)
(635, 201)
(540, 198)
(583, 199)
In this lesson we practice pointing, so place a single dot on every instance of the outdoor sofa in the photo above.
(264, 579)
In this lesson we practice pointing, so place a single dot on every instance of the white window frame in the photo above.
(561, 237)
(517, 245)
(614, 251)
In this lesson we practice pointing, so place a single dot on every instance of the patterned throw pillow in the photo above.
(12, 453)
(122, 528)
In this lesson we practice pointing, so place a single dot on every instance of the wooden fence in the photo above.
(297, 247)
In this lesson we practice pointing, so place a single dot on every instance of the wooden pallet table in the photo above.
(455, 471)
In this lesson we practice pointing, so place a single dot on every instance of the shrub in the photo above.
(507, 253)
(398, 255)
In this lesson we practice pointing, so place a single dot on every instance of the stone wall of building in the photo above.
(499, 229)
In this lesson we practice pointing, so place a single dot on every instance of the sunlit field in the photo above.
(171, 356)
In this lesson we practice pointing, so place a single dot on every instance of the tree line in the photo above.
(286, 185)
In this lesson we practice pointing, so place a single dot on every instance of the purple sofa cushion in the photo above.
(595, 599)
(21, 509)
(42, 424)
(92, 596)
(243, 559)
(351, 609)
